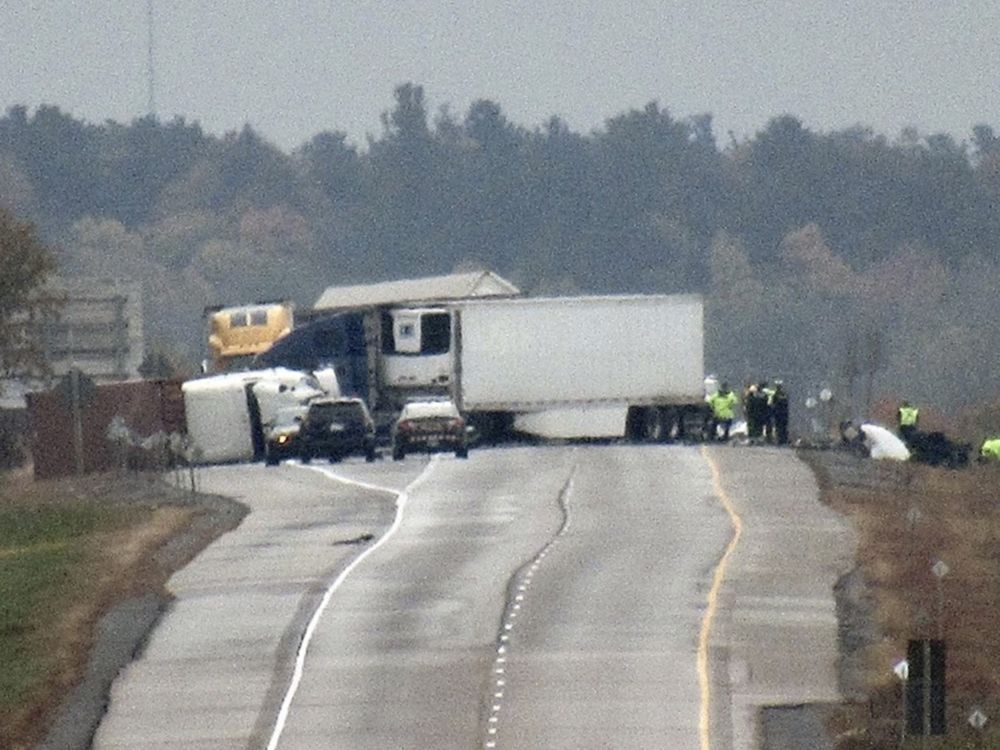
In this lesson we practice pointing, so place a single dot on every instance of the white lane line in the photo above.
(523, 580)
(300, 657)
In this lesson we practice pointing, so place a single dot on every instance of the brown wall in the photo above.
(147, 406)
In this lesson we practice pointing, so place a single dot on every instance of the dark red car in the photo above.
(429, 426)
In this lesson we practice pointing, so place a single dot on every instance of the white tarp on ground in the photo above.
(574, 422)
(883, 443)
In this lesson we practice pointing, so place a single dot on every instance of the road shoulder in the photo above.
(779, 631)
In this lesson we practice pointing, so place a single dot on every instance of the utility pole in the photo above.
(150, 70)
(75, 406)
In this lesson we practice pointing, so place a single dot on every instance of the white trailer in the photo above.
(519, 355)
(595, 366)
(582, 366)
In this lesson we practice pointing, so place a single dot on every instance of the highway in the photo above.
(593, 596)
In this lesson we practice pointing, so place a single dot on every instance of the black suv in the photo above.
(335, 428)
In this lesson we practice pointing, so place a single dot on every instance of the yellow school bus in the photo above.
(237, 334)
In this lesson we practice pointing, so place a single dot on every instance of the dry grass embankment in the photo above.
(907, 520)
(69, 550)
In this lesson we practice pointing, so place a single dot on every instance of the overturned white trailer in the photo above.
(226, 414)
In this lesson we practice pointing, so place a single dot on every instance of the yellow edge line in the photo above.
(713, 601)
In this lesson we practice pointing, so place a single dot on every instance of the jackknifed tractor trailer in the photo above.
(561, 367)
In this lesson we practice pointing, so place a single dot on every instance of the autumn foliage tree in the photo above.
(843, 256)
(25, 266)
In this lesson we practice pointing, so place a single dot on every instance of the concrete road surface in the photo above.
(217, 665)
(557, 597)
(775, 639)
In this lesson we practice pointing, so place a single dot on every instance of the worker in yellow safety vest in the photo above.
(990, 450)
(723, 405)
(906, 418)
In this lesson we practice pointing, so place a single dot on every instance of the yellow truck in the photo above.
(237, 334)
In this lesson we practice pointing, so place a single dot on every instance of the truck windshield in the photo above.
(435, 333)
(336, 411)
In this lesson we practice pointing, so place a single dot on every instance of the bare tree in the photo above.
(864, 357)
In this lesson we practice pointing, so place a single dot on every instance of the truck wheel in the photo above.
(636, 424)
(398, 453)
(643, 424)
(306, 458)
(370, 453)
(270, 459)
(653, 426)
(670, 420)
(462, 452)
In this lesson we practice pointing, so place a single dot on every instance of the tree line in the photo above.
(850, 258)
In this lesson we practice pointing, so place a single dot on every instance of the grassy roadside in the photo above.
(69, 550)
(908, 519)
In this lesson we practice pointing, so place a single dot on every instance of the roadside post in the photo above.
(826, 399)
(913, 518)
(77, 389)
(815, 428)
(193, 456)
(902, 671)
(925, 688)
(940, 569)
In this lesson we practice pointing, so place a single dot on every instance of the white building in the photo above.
(99, 330)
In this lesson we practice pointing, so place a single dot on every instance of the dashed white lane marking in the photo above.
(523, 585)
(300, 657)
(704, 712)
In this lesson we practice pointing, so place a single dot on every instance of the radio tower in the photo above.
(150, 70)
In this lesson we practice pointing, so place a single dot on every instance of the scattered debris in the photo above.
(874, 441)
(936, 449)
(363, 539)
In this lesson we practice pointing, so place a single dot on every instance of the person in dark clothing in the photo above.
(755, 406)
(766, 417)
(779, 413)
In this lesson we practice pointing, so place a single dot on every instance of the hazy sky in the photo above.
(292, 69)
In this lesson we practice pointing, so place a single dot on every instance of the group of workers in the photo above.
(765, 407)
(908, 417)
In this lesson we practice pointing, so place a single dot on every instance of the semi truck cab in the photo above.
(417, 351)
